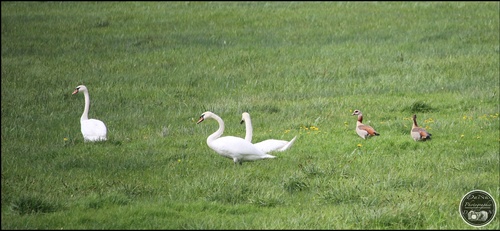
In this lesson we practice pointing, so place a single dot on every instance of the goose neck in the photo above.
(415, 123)
(360, 118)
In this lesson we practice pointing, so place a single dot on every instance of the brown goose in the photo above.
(364, 131)
(418, 133)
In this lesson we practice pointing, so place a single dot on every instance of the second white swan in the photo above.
(235, 148)
(266, 146)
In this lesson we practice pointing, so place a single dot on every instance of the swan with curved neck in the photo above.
(364, 131)
(418, 133)
(235, 148)
(266, 145)
(92, 129)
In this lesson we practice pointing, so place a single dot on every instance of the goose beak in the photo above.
(200, 120)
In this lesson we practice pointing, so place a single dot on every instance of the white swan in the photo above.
(92, 129)
(266, 145)
(232, 147)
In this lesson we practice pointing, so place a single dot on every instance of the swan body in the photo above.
(364, 131)
(266, 146)
(235, 148)
(418, 133)
(92, 129)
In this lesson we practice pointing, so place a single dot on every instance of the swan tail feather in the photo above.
(288, 145)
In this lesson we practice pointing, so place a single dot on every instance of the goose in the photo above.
(266, 145)
(364, 131)
(92, 129)
(235, 148)
(418, 133)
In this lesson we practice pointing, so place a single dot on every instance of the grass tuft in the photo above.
(25, 205)
(418, 107)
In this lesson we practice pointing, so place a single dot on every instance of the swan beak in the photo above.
(75, 91)
(242, 121)
(200, 120)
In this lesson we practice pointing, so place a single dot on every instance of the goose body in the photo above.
(92, 129)
(235, 148)
(268, 145)
(364, 131)
(418, 133)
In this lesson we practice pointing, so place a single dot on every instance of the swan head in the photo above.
(79, 88)
(356, 112)
(204, 116)
(244, 116)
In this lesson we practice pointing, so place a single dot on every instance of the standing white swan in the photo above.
(92, 129)
(266, 145)
(235, 148)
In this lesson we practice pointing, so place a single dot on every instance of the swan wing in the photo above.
(237, 148)
(270, 145)
(93, 130)
(288, 145)
(252, 157)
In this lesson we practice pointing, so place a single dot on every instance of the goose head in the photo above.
(356, 112)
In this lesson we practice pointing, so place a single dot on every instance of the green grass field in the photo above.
(300, 69)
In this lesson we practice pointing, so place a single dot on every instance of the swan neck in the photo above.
(219, 131)
(85, 115)
(249, 129)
